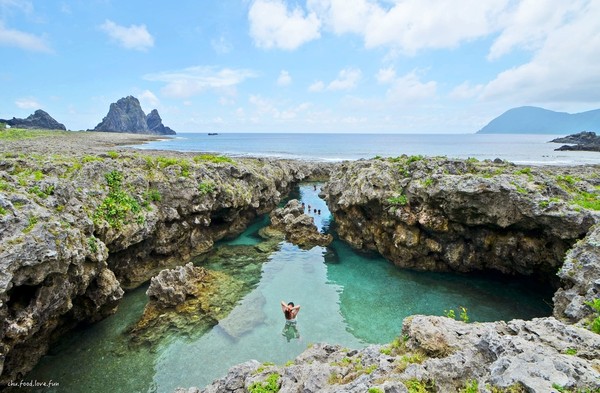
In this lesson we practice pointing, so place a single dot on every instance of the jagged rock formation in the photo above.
(126, 115)
(442, 354)
(38, 120)
(297, 227)
(459, 215)
(75, 230)
(172, 287)
(580, 278)
(155, 125)
(583, 141)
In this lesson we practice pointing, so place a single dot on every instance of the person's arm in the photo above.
(295, 311)
(283, 306)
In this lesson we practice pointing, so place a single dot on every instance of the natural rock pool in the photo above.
(346, 298)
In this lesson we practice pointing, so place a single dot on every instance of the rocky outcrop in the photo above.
(580, 278)
(155, 125)
(463, 216)
(439, 354)
(126, 115)
(38, 120)
(583, 141)
(297, 227)
(172, 287)
(77, 230)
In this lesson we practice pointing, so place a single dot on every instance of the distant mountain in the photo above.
(533, 120)
(126, 115)
(38, 120)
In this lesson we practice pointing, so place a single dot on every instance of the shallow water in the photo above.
(346, 298)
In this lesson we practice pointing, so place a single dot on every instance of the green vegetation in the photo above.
(428, 182)
(3, 211)
(45, 193)
(38, 175)
(399, 200)
(113, 154)
(514, 388)
(33, 220)
(588, 200)
(88, 158)
(16, 134)
(153, 195)
(212, 158)
(472, 160)
(93, 244)
(270, 385)
(118, 205)
(464, 316)
(4, 186)
(471, 386)
(450, 314)
(206, 187)
(570, 351)
(594, 326)
(563, 389)
(375, 390)
(567, 179)
(415, 386)
(524, 171)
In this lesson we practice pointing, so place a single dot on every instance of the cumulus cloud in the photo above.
(264, 107)
(273, 25)
(148, 99)
(195, 80)
(316, 87)
(27, 103)
(284, 78)
(465, 90)
(411, 25)
(347, 79)
(386, 75)
(409, 89)
(22, 40)
(134, 37)
(565, 67)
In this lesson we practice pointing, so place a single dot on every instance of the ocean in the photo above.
(518, 148)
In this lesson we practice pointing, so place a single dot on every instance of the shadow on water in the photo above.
(346, 298)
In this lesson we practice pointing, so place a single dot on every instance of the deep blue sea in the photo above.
(517, 148)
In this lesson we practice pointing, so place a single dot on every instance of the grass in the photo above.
(270, 385)
(594, 326)
(33, 220)
(588, 200)
(3, 211)
(471, 386)
(399, 200)
(206, 187)
(118, 205)
(16, 134)
(212, 158)
(93, 244)
(415, 386)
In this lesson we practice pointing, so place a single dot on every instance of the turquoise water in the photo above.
(519, 148)
(346, 298)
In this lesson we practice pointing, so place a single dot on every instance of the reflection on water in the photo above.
(347, 298)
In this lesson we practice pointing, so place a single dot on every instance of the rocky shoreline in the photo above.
(583, 141)
(82, 220)
(80, 223)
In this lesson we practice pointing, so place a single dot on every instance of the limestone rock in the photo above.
(38, 120)
(299, 228)
(155, 125)
(172, 287)
(445, 353)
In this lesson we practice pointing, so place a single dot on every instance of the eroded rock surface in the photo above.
(443, 354)
(438, 214)
(76, 229)
(298, 227)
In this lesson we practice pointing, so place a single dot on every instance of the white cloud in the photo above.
(316, 87)
(273, 25)
(409, 89)
(386, 75)
(465, 90)
(148, 99)
(27, 103)
(22, 40)
(411, 25)
(134, 37)
(565, 68)
(274, 110)
(284, 78)
(347, 79)
(195, 80)
(22, 5)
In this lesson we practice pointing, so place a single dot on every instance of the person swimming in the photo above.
(290, 329)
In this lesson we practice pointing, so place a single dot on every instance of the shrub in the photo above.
(93, 244)
(206, 187)
(2, 211)
(153, 195)
(212, 158)
(588, 200)
(399, 200)
(33, 220)
(113, 154)
(470, 387)
(270, 385)
(118, 205)
(594, 326)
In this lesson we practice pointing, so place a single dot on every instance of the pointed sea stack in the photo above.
(126, 115)
(38, 120)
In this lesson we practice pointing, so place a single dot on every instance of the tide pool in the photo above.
(347, 298)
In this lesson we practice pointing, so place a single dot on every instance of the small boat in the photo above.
(212, 133)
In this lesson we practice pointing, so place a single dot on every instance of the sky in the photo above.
(367, 66)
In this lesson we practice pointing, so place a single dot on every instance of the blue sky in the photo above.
(408, 66)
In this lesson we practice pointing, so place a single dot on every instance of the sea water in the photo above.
(346, 298)
(523, 149)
